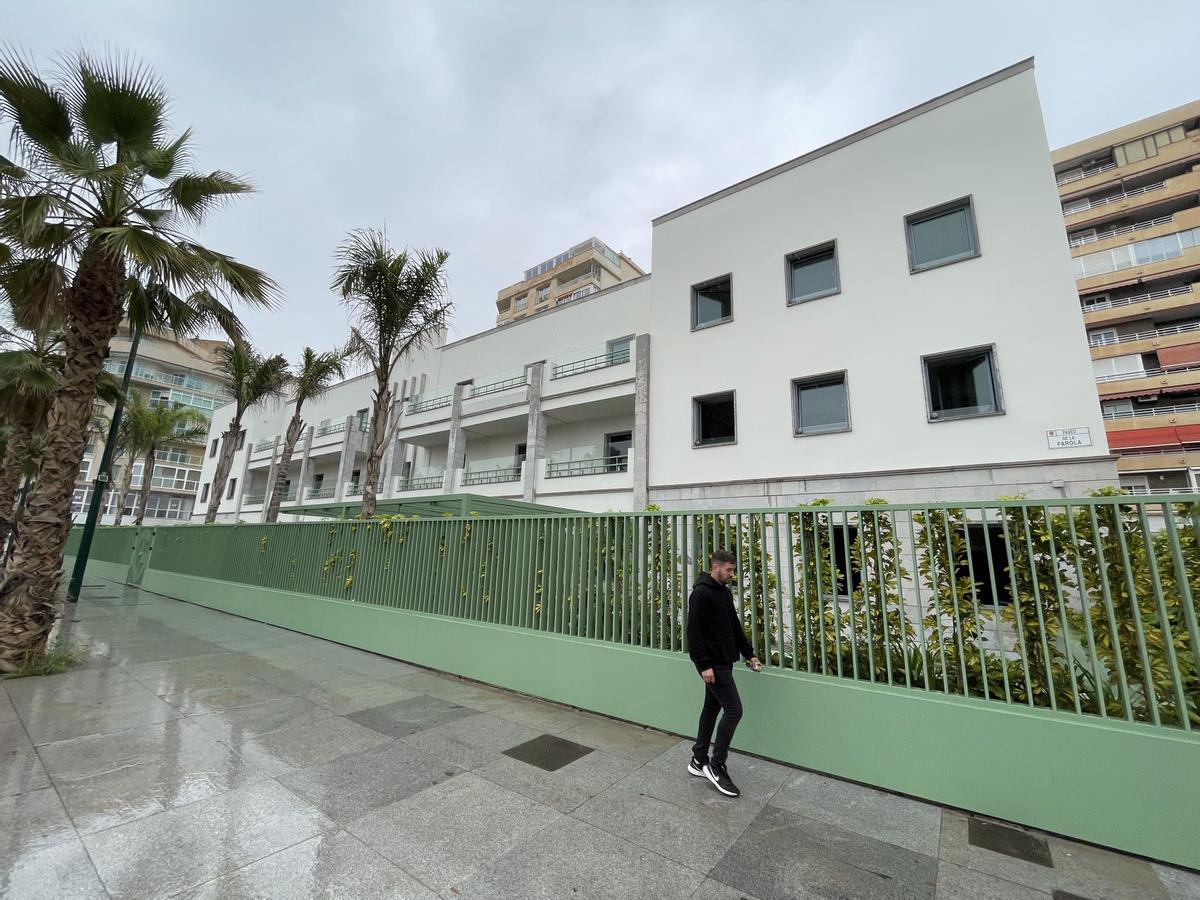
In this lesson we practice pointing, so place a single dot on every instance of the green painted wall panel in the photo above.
(1129, 786)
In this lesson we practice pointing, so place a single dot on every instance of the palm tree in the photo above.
(150, 428)
(253, 379)
(100, 188)
(27, 384)
(399, 303)
(313, 376)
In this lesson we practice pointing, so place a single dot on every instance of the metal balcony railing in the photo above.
(494, 384)
(323, 493)
(1079, 175)
(612, 357)
(1144, 373)
(331, 428)
(1107, 340)
(492, 471)
(602, 465)
(356, 489)
(1139, 490)
(264, 445)
(255, 499)
(1093, 204)
(429, 402)
(1136, 413)
(421, 480)
(1127, 229)
(1137, 298)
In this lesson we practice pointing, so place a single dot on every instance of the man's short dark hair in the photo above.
(721, 557)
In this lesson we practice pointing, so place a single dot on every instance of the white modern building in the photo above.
(891, 315)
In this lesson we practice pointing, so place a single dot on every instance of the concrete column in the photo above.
(535, 432)
(273, 471)
(240, 491)
(456, 450)
(641, 422)
(346, 461)
(301, 481)
(396, 450)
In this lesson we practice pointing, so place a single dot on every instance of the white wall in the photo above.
(1019, 294)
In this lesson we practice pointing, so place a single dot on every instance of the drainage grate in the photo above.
(1010, 841)
(548, 752)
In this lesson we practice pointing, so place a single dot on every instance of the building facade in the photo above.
(585, 269)
(1131, 204)
(880, 317)
(166, 371)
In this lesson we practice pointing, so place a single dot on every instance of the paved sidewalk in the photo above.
(202, 755)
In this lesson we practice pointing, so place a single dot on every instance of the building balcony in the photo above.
(255, 499)
(1133, 201)
(1145, 341)
(1188, 260)
(1146, 381)
(1138, 231)
(321, 493)
(1155, 460)
(1152, 416)
(498, 470)
(1139, 306)
(331, 428)
(585, 461)
(590, 360)
(1099, 177)
(427, 402)
(426, 479)
(1140, 491)
(494, 384)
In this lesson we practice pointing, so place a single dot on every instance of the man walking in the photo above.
(715, 638)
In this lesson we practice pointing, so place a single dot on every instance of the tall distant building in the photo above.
(1131, 203)
(585, 269)
(166, 371)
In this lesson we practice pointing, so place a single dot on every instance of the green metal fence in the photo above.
(1080, 606)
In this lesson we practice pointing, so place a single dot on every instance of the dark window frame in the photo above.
(697, 443)
(212, 451)
(936, 417)
(232, 489)
(204, 492)
(934, 212)
(701, 285)
(796, 384)
(810, 253)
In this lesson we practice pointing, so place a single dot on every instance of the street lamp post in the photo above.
(102, 477)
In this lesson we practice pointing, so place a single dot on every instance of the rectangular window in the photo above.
(714, 420)
(960, 385)
(521, 303)
(212, 451)
(821, 404)
(519, 454)
(712, 302)
(813, 273)
(942, 235)
(241, 440)
(204, 493)
(232, 488)
(543, 294)
(1101, 338)
(616, 450)
(619, 350)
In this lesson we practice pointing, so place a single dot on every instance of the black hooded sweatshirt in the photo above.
(714, 633)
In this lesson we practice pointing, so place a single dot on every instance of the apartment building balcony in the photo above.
(589, 469)
(357, 489)
(615, 353)
(1140, 201)
(584, 260)
(1096, 178)
(429, 478)
(319, 493)
(497, 470)
(254, 501)
(1144, 416)
(1117, 234)
(263, 445)
(1147, 381)
(430, 402)
(497, 383)
(1188, 260)
(1105, 311)
(1109, 344)
(1157, 459)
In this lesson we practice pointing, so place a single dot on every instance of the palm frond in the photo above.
(316, 373)
(247, 283)
(196, 195)
(163, 160)
(117, 101)
(34, 288)
(22, 219)
(39, 112)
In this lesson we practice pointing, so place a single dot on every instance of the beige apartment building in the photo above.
(166, 371)
(1131, 204)
(585, 269)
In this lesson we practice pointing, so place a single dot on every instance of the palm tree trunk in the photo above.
(126, 484)
(376, 439)
(10, 479)
(144, 493)
(29, 593)
(285, 464)
(224, 465)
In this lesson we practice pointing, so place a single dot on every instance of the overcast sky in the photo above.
(507, 131)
